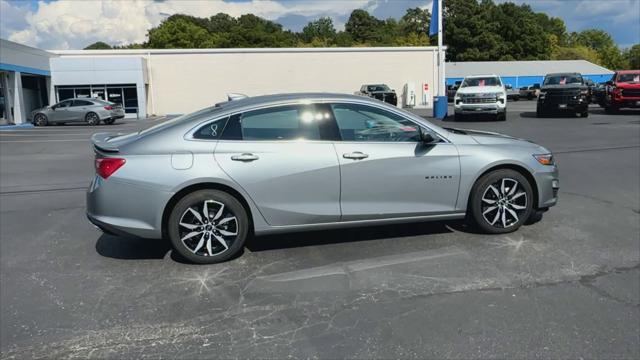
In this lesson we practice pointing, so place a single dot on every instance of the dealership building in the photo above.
(178, 81)
(525, 73)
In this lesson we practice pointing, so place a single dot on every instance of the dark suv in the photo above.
(379, 91)
(563, 92)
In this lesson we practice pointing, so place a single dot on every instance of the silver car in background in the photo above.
(90, 111)
(295, 162)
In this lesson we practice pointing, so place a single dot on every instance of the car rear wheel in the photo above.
(40, 120)
(208, 226)
(501, 201)
(92, 119)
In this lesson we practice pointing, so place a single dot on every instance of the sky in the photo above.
(74, 24)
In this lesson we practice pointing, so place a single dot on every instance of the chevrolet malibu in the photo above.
(293, 162)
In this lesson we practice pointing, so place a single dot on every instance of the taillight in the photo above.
(105, 167)
(108, 107)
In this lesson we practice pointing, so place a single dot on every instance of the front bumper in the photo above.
(494, 108)
(548, 183)
(570, 106)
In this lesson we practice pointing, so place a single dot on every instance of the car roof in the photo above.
(564, 73)
(485, 75)
(276, 98)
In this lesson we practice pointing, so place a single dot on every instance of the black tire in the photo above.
(540, 113)
(208, 248)
(40, 120)
(92, 119)
(584, 114)
(516, 98)
(514, 202)
(109, 121)
(529, 96)
(501, 117)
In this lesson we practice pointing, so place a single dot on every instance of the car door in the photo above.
(60, 111)
(78, 110)
(386, 171)
(284, 158)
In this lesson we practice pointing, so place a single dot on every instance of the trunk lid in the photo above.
(111, 142)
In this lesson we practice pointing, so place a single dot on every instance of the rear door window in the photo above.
(288, 122)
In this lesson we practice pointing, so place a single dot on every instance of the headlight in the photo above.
(544, 159)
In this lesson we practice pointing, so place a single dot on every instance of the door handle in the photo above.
(356, 155)
(245, 157)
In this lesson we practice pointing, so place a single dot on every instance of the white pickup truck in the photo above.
(481, 94)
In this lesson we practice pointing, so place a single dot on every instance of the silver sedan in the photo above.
(90, 111)
(296, 162)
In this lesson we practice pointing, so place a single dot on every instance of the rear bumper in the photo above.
(123, 208)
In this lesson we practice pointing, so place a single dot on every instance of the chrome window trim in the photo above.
(310, 101)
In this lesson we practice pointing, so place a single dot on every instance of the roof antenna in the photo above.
(236, 96)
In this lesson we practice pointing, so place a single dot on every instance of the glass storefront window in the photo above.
(123, 94)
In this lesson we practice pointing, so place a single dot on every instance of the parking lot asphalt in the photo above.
(567, 286)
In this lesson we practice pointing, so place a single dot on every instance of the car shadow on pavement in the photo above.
(132, 248)
(325, 237)
(625, 112)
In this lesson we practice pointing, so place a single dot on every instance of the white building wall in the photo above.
(98, 70)
(181, 81)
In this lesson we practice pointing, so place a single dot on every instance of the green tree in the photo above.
(632, 57)
(321, 29)
(415, 21)
(363, 27)
(602, 43)
(577, 53)
(98, 46)
(179, 32)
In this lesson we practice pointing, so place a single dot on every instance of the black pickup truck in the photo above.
(563, 92)
(379, 91)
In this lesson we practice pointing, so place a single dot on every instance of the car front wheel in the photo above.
(501, 201)
(40, 120)
(208, 226)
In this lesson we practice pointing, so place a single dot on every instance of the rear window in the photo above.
(204, 113)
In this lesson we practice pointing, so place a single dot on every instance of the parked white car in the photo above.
(481, 94)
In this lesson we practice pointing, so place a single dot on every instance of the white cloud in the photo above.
(66, 24)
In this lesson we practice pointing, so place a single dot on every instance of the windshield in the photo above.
(204, 112)
(628, 78)
(481, 81)
(378, 88)
(563, 79)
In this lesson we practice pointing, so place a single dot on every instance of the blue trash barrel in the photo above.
(440, 107)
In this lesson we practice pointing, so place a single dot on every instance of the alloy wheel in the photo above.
(504, 202)
(208, 228)
(41, 120)
(92, 119)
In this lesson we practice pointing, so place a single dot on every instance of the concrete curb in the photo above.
(16, 127)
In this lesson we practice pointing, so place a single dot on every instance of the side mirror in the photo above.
(427, 137)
